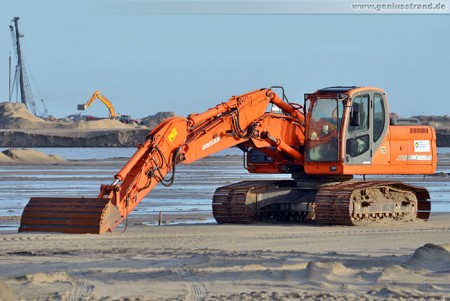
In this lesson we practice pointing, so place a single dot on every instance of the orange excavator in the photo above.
(98, 95)
(338, 132)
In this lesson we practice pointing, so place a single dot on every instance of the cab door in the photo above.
(358, 143)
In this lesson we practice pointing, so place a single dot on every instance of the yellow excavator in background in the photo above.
(98, 94)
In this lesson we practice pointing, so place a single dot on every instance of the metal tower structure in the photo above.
(21, 81)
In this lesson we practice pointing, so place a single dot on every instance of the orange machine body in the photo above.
(339, 131)
(348, 131)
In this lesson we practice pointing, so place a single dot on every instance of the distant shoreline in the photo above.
(105, 137)
(72, 138)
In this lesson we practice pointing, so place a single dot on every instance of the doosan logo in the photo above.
(210, 143)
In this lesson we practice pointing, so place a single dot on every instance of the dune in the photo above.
(14, 115)
(20, 128)
(15, 155)
(101, 124)
(5, 159)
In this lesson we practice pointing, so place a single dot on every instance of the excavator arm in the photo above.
(242, 120)
(98, 95)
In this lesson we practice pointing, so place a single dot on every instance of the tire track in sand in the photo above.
(196, 290)
(81, 289)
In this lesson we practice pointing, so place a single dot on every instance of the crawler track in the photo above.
(346, 203)
(229, 202)
(267, 201)
(353, 202)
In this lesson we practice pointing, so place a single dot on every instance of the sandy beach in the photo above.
(190, 257)
(223, 262)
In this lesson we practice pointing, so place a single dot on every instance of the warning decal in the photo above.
(172, 135)
(421, 146)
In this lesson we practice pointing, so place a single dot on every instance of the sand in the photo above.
(405, 261)
(225, 262)
(29, 156)
(15, 116)
(20, 128)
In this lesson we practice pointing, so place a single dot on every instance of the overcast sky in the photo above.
(186, 63)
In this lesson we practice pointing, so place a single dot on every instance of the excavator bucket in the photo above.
(69, 215)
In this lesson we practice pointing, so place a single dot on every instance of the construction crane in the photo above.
(15, 36)
(98, 95)
(337, 133)
(21, 83)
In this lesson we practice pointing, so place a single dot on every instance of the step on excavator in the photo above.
(337, 133)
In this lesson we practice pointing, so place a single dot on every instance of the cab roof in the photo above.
(336, 89)
(349, 90)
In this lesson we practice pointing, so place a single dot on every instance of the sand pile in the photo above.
(153, 120)
(430, 256)
(16, 116)
(102, 124)
(328, 271)
(29, 156)
(20, 128)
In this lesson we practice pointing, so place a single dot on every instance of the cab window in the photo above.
(323, 130)
(359, 115)
(378, 116)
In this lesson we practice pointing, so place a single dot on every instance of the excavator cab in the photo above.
(345, 126)
(348, 133)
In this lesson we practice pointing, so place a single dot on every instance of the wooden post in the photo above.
(160, 218)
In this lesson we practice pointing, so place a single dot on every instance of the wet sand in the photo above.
(223, 262)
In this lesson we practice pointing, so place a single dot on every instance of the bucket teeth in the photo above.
(69, 215)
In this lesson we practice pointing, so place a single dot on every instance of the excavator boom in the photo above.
(241, 120)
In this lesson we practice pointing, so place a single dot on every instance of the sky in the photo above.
(186, 61)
